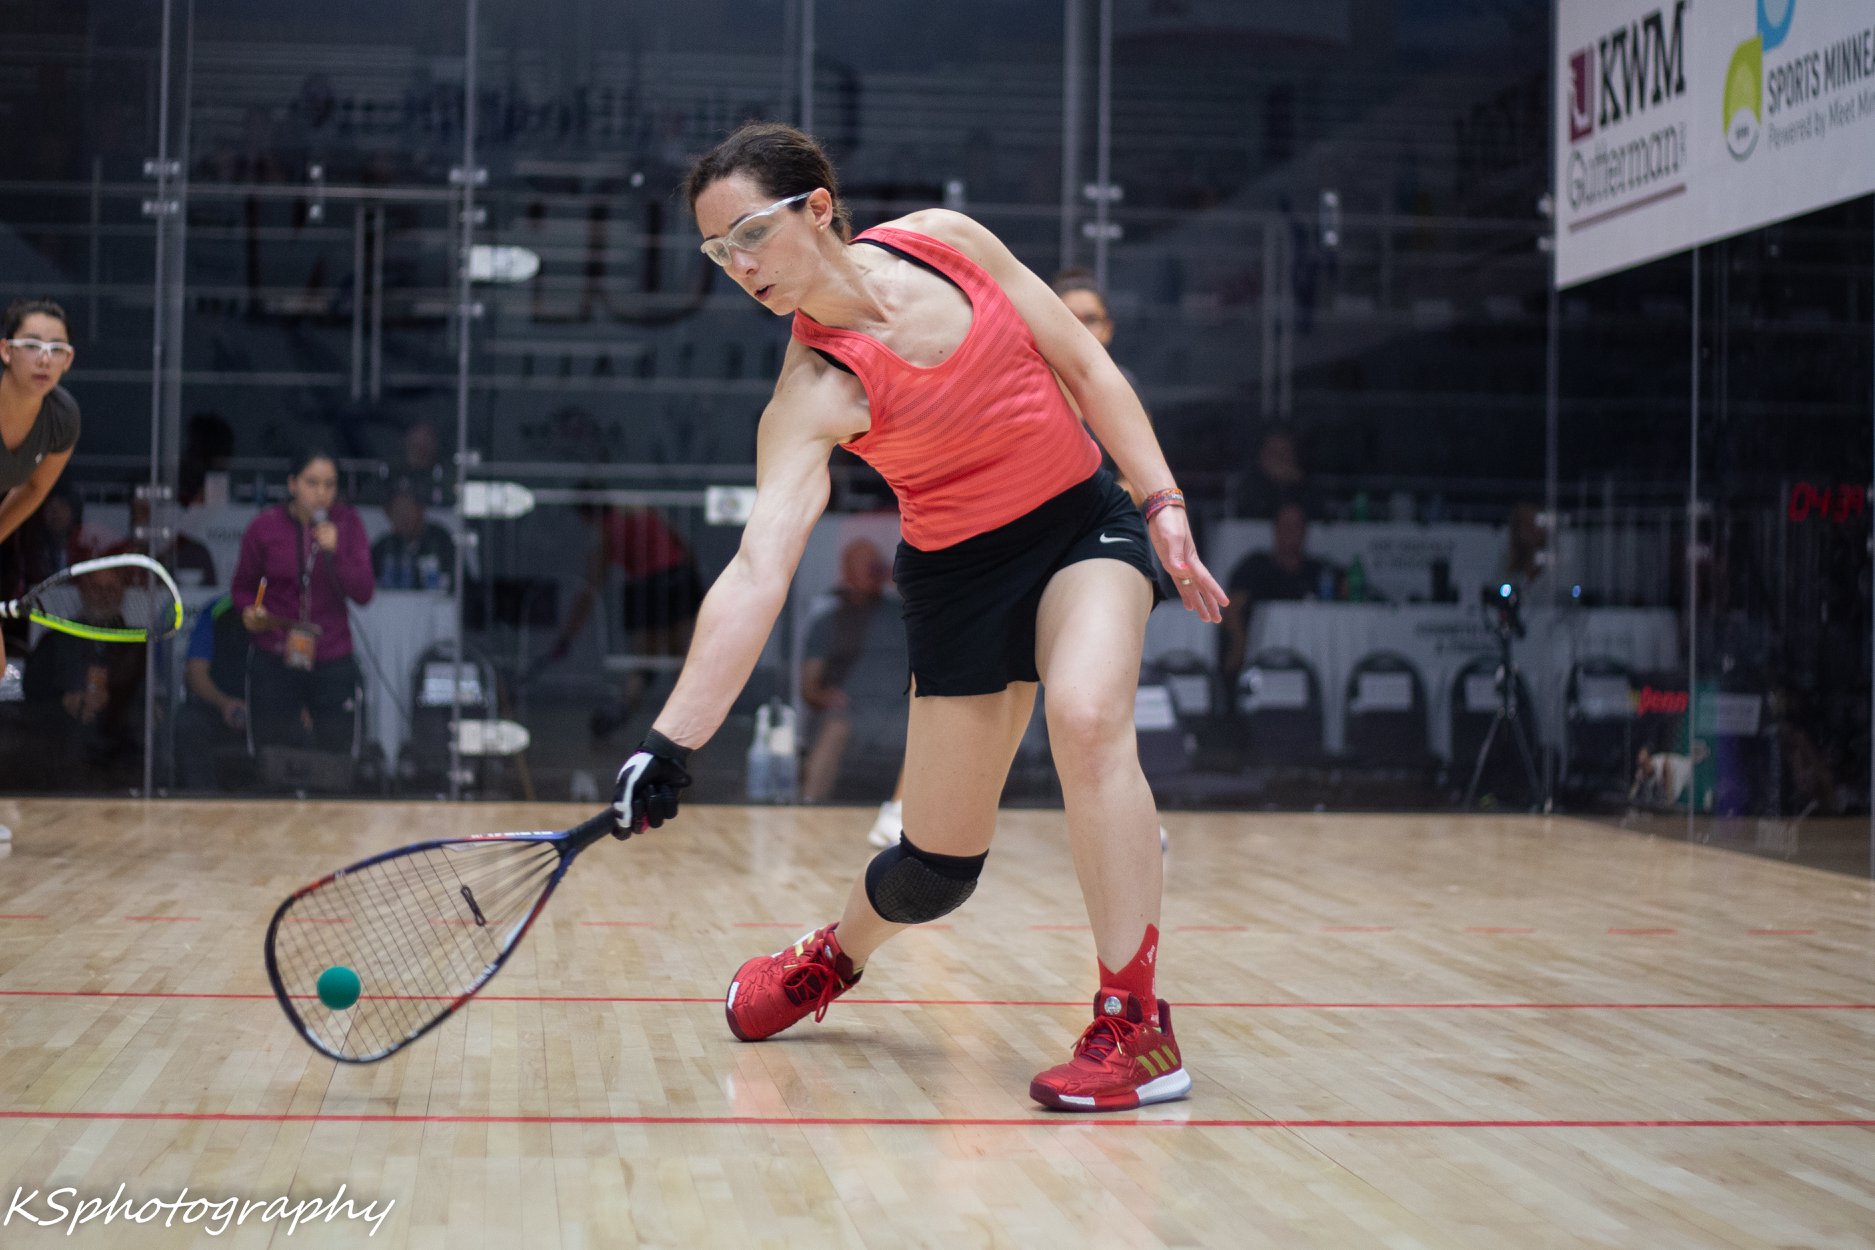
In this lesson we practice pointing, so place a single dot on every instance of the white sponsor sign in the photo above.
(1678, 123)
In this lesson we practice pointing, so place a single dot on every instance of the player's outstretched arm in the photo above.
(814, 407)
(810, 412)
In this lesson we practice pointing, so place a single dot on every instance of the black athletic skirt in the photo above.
(970, 608)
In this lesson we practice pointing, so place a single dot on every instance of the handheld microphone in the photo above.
(319, 517)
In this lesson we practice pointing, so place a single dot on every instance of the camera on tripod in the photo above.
(1503, 606)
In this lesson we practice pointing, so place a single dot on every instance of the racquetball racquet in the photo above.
(407, 937)
(111, 599)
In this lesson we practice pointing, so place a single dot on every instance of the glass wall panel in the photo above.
(1713, 503)
(1616, 548)
(1779, 741)
(319, 315)
(1328, 284)
(80, 89)
(615, 375)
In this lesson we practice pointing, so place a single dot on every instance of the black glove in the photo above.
(646, 794)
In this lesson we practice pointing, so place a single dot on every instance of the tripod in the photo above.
(1507, 715)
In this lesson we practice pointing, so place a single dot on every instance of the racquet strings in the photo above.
(420, 929)
(117, 597)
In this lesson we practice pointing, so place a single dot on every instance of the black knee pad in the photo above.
(910, 886)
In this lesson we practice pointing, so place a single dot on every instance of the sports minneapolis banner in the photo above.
(1678, 123)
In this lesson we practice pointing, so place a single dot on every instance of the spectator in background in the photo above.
(417, 554)
(660, 599)
(88, 694)
(211, 725)
(1084, 298)
(854, 671)
(1285, 572)
(419, 467)
(1088, 303)
(1277, 478)
(191, 563)
(1526, 553)
(312, 552)
(55, 537)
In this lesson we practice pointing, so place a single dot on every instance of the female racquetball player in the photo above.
(927, 349)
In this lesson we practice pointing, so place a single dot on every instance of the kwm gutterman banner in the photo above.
(1679, 122)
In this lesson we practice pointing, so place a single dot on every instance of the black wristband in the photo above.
(658, 744)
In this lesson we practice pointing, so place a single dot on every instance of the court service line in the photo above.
(1038, 1120)
(1482, 930)
(979, 1002)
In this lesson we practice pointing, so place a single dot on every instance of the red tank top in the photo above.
(976, 440)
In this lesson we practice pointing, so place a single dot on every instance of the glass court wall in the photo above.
(446, 248)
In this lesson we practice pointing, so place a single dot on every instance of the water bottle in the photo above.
(772, 763)
(1357, 582)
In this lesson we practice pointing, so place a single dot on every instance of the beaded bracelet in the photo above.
(1160, 499)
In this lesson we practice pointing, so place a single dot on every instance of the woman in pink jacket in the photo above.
(300, 562)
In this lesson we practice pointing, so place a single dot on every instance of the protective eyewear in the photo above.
(750, 231)
(51, 351)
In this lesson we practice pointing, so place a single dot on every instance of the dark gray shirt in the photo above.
(54, 430)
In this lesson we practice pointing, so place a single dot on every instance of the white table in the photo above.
(1440, 639)
(1396, 556)
(389, 634)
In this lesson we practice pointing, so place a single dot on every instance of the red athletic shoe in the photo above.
(1121, 1061)
(771, 992)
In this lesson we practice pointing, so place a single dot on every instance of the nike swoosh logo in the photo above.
(1109, 538)
(628, 781)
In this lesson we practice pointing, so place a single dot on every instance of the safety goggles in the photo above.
(750, 231)
(51, 351)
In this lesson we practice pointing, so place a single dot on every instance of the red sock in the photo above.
(1136, 977)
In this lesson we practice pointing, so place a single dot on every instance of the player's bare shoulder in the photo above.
(816, 398)
(951, 227)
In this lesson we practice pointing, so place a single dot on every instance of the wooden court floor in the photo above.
(1404, 1031)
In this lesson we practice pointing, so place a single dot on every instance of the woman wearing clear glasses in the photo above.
(38, 417)
(926, 348)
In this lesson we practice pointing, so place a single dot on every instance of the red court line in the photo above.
(1497, 929)
(1780, 932)
(1038, 1120)
(317, 920)
(1211, 928)
(22, 917)
(994, 1002)
(1059, 928)
(1643, 932)
(620, 924)
(767, 924)
(1357, 928)
(179, 918)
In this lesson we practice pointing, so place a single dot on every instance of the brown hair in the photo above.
(1076, 278)
(20, 309)
(783, 161)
